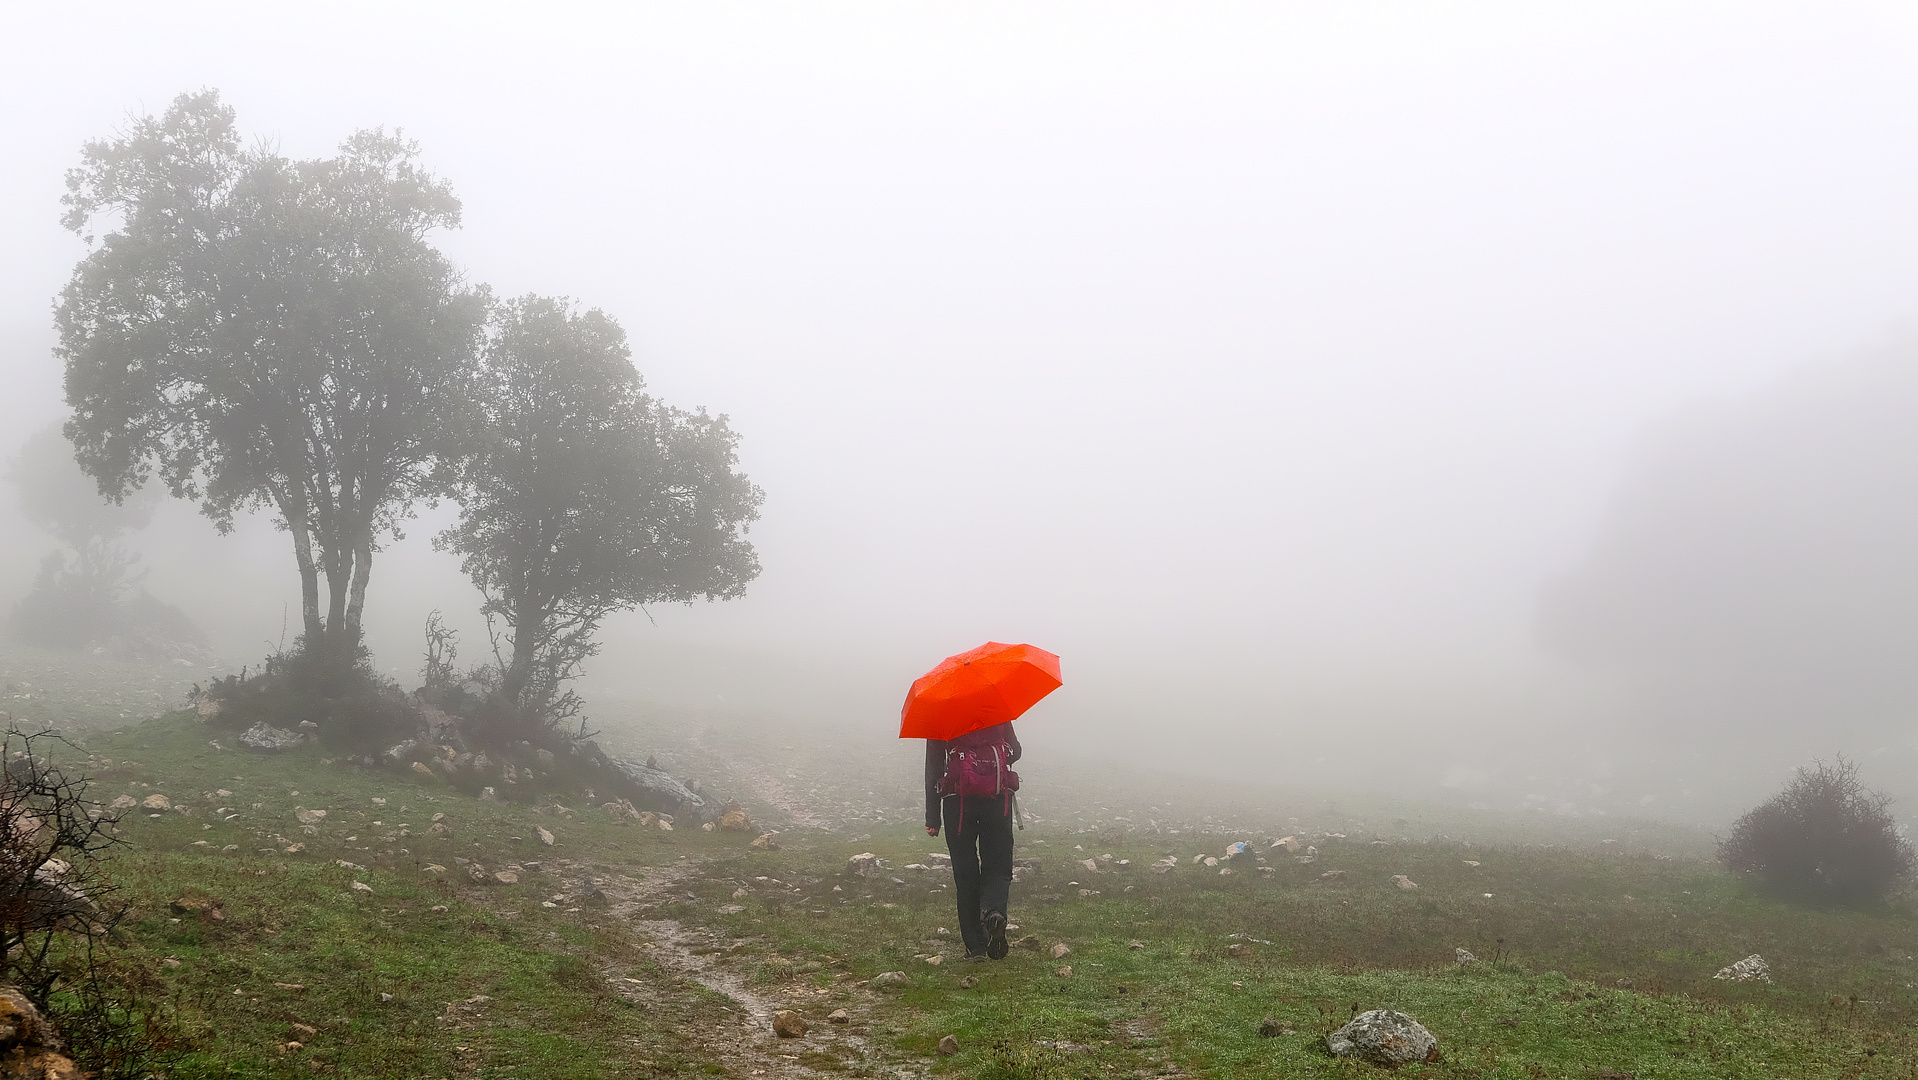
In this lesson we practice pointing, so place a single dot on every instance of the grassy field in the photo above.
(1595, 959)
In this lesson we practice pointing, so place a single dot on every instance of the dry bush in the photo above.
(1826, 838)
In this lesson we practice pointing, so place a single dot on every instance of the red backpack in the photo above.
(976, 765)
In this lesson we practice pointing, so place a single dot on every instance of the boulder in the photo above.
(30, 1048)
(733, 819)
(656, 789)
(268, 739)
(1383, 1037)
(865, 864)
(788, 1024)
(1753, 968)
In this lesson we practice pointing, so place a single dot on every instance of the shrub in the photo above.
(1826, 838)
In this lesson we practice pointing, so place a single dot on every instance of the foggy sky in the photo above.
(1262, 360)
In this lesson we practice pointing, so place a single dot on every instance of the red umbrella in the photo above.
(988, 685)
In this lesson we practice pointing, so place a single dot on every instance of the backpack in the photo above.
(976, 765)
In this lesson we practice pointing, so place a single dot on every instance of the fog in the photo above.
(1495, 400)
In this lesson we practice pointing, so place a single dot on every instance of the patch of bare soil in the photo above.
(740, 1034)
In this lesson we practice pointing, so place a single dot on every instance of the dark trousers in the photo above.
(979, 836)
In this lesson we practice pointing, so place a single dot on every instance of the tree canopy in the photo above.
(582, 496)
(265, 332)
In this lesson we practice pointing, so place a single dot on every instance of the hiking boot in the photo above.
(995, 923)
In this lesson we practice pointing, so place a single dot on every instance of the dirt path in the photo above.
(740, 1034)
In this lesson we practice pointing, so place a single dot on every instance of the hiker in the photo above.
(970, 793)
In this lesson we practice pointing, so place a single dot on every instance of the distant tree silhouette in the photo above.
(1825, 838)
(582, 496)
(264, 332)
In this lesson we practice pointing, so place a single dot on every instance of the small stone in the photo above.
(294, 849)
(889, 978)
(438, 909)
(171, 962)
(1029, 941)
(1135, 943)
(308, 817)
(948, 1046)
(1270, 1028)
(1238, 950)
(433, 870)
(1463, 956)
(545, 835)
(968, 982)
(1333, 877)
(1064, 972)
(935, 960)
(157, 801)
(1404, 882)
(838, 1016)
(124, 802)
(788, 1024)
(733, 819)
(423, 769)
(765, 842)
(361, 886)
(1061, 951)
(505, 877)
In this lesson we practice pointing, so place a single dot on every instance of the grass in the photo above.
(1596, 960)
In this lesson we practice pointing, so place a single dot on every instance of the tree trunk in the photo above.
(297, 524)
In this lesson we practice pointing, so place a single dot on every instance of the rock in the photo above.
(1751, 969)
(1269, 1028)
(1288, 844)
(487, 794)
(423, 769)
(1463, 956)
(1333, 877)
(968, 982)
(1091, 865)
(124, 802)
(1240, 850)
(505, 877)
(1383, 1037)
(268, 739)
(656, 788)
(1238, 950)
(200, 904)
(30, 1048)
(1064, 972)
(940, 860)
(361, 886)
(1210, 862)
(788, 1024)
(439, 828)
(1165, 865)
(545, 835)
(1029, 941)
(308, 817)
(434, 870)
(889, 979)
(948, 1045)
(838, 1016)
(1061, 951)
(764, 842)
(1404, 882)
(156, 801)
(1019, 873)
(733, 819)
(935, 960)
(1225, 871)
(1135, 943)
(865, 864)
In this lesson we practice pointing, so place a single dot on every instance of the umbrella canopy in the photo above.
(988, 685)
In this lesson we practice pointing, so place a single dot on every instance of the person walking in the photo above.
(970, 794)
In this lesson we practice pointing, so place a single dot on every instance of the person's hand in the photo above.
(932, 830)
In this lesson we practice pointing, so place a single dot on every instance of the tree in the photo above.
(1824, 838)
(265, 332)
(582, 496)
